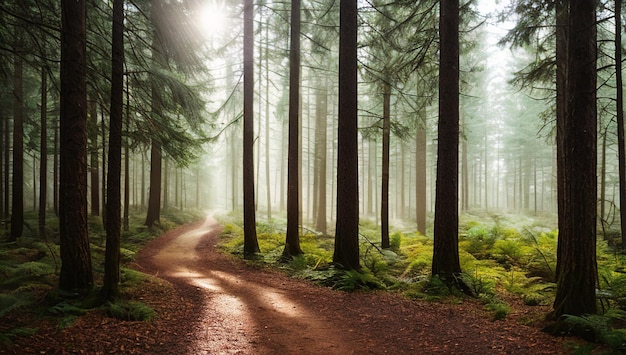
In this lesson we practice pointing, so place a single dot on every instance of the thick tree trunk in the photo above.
(446, 249)
(76, 272)
(251, 244)
(17, 201)
(346, 251)
(576, 254)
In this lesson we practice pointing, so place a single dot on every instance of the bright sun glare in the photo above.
(213, 17)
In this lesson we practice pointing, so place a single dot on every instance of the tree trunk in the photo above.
(110, 287)
(17, 201)
(384, 198)
(576, 254)
(125, 220)
(446, 249)
(292, 240)
(76, 272)
(55, 167)
(154, 196)
(346, 251)
(43, 161)
(104, 167)
(251, 244)
(321, 224)
(420, 176)
(95, 171)
(621, 152)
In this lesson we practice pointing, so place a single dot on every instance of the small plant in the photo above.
(6, 338)
(129, 310)
(499, 309)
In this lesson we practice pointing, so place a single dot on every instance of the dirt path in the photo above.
(235, 308)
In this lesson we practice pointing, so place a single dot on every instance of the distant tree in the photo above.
(76, 272)
(114, 171)
(43, 156)
(446, 249)
(346, 251)
(576, 270)
(17, 201)
(619, 103)
(292, 241)
(251, 244)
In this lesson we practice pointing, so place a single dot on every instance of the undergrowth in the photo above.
(29, 274)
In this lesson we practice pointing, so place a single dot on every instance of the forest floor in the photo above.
(209, 302)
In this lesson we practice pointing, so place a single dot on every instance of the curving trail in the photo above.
(242, 309)
(239, 309)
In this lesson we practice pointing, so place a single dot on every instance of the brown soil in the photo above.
(213, 303)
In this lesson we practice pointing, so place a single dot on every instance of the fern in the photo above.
(129, 310)
(6, 338)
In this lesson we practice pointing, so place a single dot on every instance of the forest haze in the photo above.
(319, 117)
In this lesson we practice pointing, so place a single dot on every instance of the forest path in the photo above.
(236, 308)
(242, 310)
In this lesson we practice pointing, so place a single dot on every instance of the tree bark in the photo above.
(384, 198)
(576, 254)
(292, 239)
(110, 287)
(43, 160)
(76, 272)
(95, 164)
(154, 195)
(251, 244)
(321, 224)
(346, 251)
(620, 120)
(17, 201)
(446, 249)
(420, 176)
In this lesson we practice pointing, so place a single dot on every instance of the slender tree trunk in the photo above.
(55, 167)
(17, 201)
(576, 254)
(620, 120)
(251, 244)
(321, 108)
(292, 240)
(76, 272)
(420, 176)
(125, 220)
(384, 198)
(94, 171)
(158, 57)
(104, 167)
(154, 194)
(110, 287)
(43, 161)
(446, 249)
(346, 251)
(267, 129)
